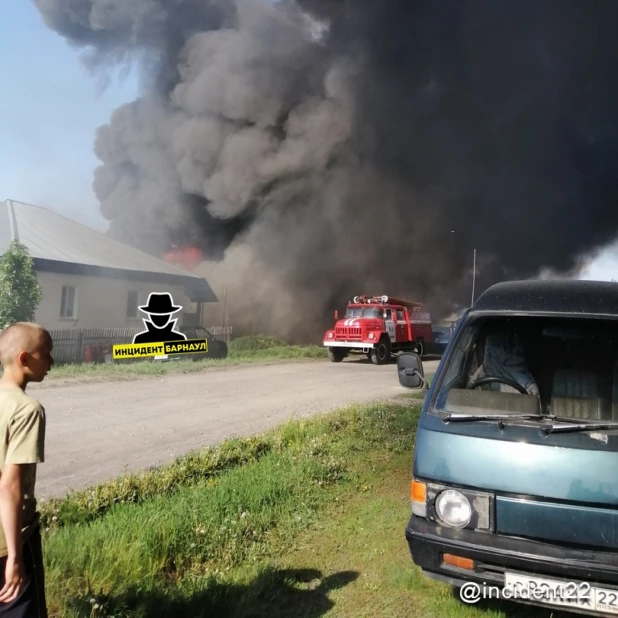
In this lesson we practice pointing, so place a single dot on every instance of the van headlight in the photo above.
(453, 508)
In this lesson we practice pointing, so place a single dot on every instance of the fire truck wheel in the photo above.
(335, 355)
(381, 354)
(420, 349)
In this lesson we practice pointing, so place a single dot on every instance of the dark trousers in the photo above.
(31, 600)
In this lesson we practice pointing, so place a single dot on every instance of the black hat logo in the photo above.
(160, 304)
(160, 328)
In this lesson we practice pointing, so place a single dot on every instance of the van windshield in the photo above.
(567, 367)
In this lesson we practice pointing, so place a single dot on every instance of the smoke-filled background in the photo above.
(318, 149)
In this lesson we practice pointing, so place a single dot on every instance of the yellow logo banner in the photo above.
(142, 350)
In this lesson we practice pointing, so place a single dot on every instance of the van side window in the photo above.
(457, 372)
(400, 317)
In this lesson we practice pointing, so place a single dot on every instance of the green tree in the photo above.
(20, 292)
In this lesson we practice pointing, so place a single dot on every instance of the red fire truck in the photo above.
(379, 326)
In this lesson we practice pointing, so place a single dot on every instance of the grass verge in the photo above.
(304, 521)
(132, 547)
(126, 370)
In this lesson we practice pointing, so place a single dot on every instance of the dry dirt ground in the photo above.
(98, 431)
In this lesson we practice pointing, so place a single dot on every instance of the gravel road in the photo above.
(98, 431)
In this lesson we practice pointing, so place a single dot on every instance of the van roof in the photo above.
(550, 297)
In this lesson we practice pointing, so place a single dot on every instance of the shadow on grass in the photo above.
(511, 609)
(297, 593)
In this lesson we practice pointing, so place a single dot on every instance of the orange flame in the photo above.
(188, 257)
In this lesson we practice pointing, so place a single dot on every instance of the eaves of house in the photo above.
(61, 245)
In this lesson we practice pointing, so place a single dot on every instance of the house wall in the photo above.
(100, 302)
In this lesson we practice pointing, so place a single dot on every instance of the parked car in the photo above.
(441, 337)
(514, 467)
(216, 347)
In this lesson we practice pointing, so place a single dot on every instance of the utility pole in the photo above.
(224, 306)
(473, 277)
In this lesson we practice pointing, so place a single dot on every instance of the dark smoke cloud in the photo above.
(319, 149)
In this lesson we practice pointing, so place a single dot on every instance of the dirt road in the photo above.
(97, 431)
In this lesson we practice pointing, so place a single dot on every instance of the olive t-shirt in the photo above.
(22, 440)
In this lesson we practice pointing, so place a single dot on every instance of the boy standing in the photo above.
(25, 355)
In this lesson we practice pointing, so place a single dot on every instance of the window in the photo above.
(132, 302)
(364, 312)
(68, 302)
(354, 312)
(569, 364)
(400, 317)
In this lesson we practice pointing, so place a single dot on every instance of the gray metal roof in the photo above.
(50, 236)
(5, 228)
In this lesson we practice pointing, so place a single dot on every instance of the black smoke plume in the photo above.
(317, 149)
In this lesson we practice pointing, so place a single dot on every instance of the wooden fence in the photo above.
(75, 345)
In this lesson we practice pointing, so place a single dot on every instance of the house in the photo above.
(91, 281)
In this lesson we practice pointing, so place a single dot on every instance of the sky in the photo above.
(50, 108)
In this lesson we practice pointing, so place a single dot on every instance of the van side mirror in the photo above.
(410, 370)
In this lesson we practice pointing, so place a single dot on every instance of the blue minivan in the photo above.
(515, 467)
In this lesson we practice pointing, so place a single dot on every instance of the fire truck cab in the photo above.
(379, 326)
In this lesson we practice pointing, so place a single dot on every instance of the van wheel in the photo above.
(336, 355)
(381, 354)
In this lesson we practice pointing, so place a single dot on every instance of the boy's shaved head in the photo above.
(21, 336)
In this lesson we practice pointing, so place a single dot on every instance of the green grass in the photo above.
(86, 505)
(304, 521)
(207, 525)
(243, 351)
(255, 343)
